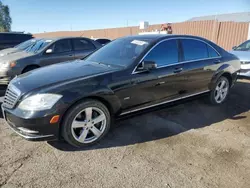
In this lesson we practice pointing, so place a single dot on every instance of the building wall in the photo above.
(248, 32)
(225, 34)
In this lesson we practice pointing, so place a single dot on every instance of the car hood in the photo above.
(242, 55)
(8, 51)
(61, 73)
(15, 56)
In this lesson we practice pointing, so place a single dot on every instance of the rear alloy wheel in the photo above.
(220, 92)
(86, 123)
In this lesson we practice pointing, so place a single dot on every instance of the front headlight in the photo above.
(39, 102)
(4, 65)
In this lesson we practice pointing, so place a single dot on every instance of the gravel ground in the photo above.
(188, 145)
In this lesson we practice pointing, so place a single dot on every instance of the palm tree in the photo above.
(5, 19)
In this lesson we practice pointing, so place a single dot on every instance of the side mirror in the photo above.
(48, 51)
(234, 47)
(148, 65)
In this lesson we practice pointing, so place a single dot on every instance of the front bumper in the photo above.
(33, 129)
(244, 72)
(6, 75)
(5, 80)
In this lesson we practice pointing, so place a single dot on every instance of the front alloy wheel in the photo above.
(86, 123)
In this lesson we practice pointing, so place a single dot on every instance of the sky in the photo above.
(37, 16)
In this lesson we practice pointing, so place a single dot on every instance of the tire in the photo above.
(222, 87)
(29, 68)
(77, 123)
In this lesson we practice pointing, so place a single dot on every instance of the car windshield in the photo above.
(245, 46)
(38, 46)
(121, 52)
(26, 44)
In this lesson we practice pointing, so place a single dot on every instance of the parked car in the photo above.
(18, 48)
(11, 39)
(44, 52)
(77, 101)
(102, 41)
(243, 53)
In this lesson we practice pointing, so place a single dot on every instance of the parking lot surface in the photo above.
(192, 144)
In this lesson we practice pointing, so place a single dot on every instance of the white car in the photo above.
(243, 53)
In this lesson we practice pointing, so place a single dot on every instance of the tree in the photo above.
(5, 19)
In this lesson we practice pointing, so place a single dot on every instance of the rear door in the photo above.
(200, 61)
(61, 51)
(82, 47)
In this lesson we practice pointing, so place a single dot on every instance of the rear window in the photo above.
(82, 44)
(212, 52)
(194, 49)
(103, 41)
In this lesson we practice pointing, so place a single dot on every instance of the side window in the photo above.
(62, 46)
(212, 52)
(194, 49)
(81, 44)
(164, 54)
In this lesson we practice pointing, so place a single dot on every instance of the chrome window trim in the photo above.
(164, 102)
(181, 62)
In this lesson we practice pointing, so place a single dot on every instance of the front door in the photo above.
(134, 90)
(170, 72)
(143, 88)
(60, 51)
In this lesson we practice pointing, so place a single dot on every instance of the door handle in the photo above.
(177, 70)
(217, 61)
(70, 55)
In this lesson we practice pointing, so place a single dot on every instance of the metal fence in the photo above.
(225, 34)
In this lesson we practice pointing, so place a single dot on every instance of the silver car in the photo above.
(45, 52)
(243, 53)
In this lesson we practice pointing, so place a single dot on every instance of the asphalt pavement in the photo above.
(191, 144)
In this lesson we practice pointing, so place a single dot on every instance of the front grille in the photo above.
(244, 70)
(11, 96)
(245, 62)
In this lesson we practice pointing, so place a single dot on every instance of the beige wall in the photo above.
(225, 34)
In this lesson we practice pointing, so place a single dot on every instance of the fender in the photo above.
(109, 98)
(225, 69)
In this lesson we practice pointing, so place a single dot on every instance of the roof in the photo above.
(159, 36)
(59, 38)
(235, 17)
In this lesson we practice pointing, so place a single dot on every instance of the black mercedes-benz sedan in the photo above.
(77, 100)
